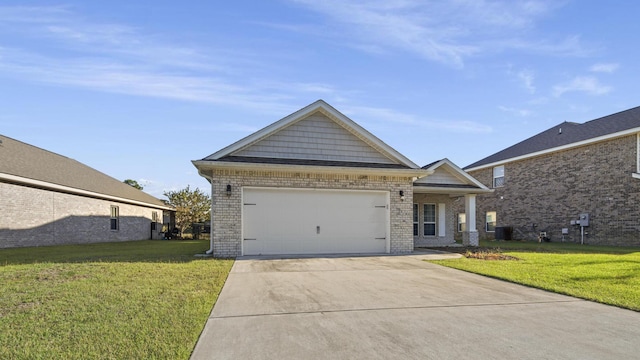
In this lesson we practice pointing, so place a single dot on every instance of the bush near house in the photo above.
(131, 300)
(606, 274)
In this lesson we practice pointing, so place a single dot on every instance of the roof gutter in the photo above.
(557, 148)
(450, 191)
(69, 190)
(210, 180)
(202, 165)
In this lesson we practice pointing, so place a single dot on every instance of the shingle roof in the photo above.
(567, 133)
(33, 163)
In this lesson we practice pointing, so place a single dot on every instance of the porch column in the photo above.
(470, 235)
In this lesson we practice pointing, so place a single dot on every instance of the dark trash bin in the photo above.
(504, 233)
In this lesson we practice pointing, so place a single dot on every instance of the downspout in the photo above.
(210, 251)
(210, 180)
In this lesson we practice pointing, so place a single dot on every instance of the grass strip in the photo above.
(606, 274)
(129, 300)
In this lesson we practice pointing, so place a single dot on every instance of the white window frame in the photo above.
(425, 222)
(462, 222)
(498, 176)
(154, 220)
(638, 153)
(416, 218)
(114, 219)
(487, 222)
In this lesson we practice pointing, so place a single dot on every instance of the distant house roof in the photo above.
(567, 134)
(29, 165)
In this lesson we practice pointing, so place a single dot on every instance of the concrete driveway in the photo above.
(400, 307)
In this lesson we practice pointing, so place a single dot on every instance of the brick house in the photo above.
(316, 182)
(49, 199)
(543, 184)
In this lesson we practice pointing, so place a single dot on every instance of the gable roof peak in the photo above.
(329, 112)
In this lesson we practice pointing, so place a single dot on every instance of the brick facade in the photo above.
(546, 192)
(227, 209)
(450, 220)
(37, 217)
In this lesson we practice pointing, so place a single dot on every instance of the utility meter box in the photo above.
(584, 220)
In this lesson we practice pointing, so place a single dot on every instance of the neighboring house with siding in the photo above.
(49, 199)
(544, 183)
(316, 182)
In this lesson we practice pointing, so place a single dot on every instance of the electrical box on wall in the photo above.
(584, 220)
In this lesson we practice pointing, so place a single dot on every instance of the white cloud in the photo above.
(527, 77)
(443, 31)
(392, 116)
(586, 84)
(570, 46)
(514, 111)
(116, 58)
(604, 68)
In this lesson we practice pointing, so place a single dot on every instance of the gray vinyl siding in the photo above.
(315, 138)
(442, 176)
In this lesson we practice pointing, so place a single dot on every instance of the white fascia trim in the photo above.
(69, 190)
(368, 137)
(459, 171)
(202, 165)
(558, 148)
(260, 134)
(327, 109)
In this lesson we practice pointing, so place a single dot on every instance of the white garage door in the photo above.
(291, 221)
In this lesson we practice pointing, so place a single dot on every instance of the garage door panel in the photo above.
(287, 221)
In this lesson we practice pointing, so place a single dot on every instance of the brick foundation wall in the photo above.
(227, 210)
(37, 217)
(550, 190)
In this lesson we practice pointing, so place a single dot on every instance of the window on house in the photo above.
(415, 219)
(115, 218)
(498, 176)
(490, 225)
(429, 220)
(154, 220)
(462, 222)
(637, 154)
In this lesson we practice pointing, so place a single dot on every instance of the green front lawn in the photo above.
(132, 300)
(606, 274)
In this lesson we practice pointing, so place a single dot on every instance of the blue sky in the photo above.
(139, 89)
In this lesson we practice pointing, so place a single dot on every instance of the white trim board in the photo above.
(18, 180)
(558, 148)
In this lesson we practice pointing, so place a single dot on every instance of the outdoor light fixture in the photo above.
(229, 190)
(401, 195)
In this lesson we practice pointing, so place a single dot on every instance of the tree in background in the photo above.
(192, 206)
(133, 183)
